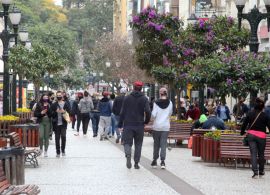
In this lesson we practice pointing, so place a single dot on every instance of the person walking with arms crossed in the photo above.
(162, 110)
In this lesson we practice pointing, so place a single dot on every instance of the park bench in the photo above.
(30, 154)
(7, 189)
(233, 151)
(179, 131)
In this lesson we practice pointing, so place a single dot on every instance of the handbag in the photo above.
(66, 117)
(245, 139)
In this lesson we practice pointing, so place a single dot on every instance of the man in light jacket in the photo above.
(162, 110)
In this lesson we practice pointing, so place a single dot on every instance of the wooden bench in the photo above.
(7, 189)
(179, 131)
(233, 151)
(30, 154)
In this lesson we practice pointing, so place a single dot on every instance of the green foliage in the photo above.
(166, 50)
(57, 37)
(33, 64)
(233, 73)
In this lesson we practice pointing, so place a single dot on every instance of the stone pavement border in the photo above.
(179, 185)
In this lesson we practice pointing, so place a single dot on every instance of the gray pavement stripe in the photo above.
(179, 185)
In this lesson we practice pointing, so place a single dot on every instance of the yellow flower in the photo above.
(23, 110)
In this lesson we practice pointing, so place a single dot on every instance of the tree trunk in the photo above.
(178, 93)
(37, 86)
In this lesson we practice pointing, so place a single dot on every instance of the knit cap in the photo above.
(203, 118)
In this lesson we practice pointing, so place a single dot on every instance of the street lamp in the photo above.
(254, 18)
(23, 34)
(5, 36)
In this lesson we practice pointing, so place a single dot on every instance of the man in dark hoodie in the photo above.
(104, 107)
(117, 106)
(134, 115)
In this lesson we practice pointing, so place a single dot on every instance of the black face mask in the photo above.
(59, 98)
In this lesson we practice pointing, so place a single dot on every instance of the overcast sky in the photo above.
(58, 2)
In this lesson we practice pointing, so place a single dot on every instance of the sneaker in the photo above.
(76, 134)
(63, 154)
(45, 154)
(129, 165)
(136, 166)
(106, 138)
(117, 139)
(162, 164)
(95, 135)
(101, 138)
(57, 155)
(261, 174)
(154, 164)
(255, 176)
(84, 135)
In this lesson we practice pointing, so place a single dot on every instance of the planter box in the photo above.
(211, 150)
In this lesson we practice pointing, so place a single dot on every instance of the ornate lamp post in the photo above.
(5, 36)
(23, 34)
(254, 18)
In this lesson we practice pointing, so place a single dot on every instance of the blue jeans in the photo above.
(95, 122)
(117, 118)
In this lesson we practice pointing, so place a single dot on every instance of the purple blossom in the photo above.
(188, 52)
(201, 24)
(151, 24)
(240, 80)
(159, 27)
(165, 61)
(168, 42)
(186, 62)
(183, 75)
(210, 36)
(136, 19)
(230, 20)
(152, 14)
(229, 81)
(226, 48)
(145, 10)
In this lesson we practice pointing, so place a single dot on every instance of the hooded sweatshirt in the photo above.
(162, 110)
(104, 106)
(135, 112)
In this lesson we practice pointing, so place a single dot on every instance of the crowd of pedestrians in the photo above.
(126, 115)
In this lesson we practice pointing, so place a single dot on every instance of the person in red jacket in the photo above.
(193, 112)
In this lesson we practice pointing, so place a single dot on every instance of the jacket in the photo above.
(38, 111)
(104, 107)
(193, 113)
(117, 105)
(54, 114)
(135, 112)
(86, 105)
(214, 121)
(162, 110)
(227, 110)
(75, 108)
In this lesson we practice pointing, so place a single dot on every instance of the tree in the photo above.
(116, 50)
(58, 38)
(233, 73)
(34, 63)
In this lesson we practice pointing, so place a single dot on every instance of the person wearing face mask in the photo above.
(162, 110)
(60, 124)
(42, 112)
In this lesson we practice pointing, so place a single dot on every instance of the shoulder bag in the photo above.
(245, 139)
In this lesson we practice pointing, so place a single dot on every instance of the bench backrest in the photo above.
(233, 143)
(180, 127)
(15, 139)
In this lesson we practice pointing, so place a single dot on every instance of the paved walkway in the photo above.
(94, 167)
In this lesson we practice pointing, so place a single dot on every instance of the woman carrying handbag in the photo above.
(257, 121)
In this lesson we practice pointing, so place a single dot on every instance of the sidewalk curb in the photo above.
(179, 185)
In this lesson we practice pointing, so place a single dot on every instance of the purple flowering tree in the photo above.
(233, 73)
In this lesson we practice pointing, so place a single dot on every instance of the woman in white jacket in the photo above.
(162, 110)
